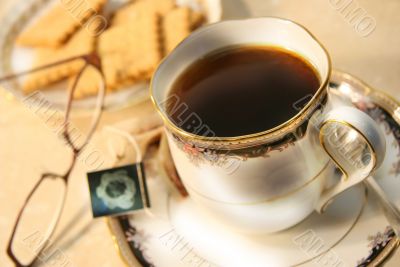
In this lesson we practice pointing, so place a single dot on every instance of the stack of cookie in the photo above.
(137, 37)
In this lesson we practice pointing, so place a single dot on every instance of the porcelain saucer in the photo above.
(352, 232)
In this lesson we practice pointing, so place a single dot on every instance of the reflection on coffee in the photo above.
(242, 90)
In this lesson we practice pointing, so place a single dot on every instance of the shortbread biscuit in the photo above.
(138, 53)
(196, 19)
(130, 53)
(80, 44)
(176, 26)
(163, 6)
(59, 23)
(142, 8)
(88, 84)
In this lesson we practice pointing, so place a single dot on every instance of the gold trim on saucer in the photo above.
(390, 105)
(250, 138)
(377, 97)
(381, 98)
(117, 235)
(386, 253)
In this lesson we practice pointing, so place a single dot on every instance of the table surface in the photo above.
(371, 53)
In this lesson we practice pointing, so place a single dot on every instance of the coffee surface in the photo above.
(242, 90)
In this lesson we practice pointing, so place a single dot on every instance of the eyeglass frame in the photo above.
(94, 61)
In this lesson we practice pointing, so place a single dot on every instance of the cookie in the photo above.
(196, 20)
(59, 23)
(162, 7)
(130, 53)
(88, 83)
(176, 26)
(142, 8)
(81, 43)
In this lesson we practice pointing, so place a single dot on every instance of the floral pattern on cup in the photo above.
(220, 157)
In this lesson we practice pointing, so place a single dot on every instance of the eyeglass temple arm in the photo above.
(93, 60)
(26, 72)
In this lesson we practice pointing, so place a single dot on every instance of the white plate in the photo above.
(14, 59)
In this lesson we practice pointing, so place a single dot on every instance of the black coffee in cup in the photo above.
(242, 90)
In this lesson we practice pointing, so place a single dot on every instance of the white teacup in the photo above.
(271, 180)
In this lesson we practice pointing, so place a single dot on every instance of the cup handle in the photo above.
(355, 143)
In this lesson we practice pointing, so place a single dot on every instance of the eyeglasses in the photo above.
(43, 206)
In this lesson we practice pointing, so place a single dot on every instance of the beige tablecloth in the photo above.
(28, 145)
